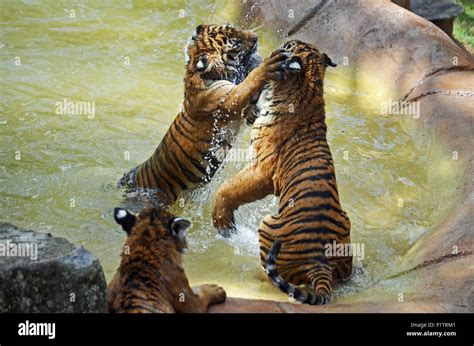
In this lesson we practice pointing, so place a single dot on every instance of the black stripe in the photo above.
(299, 139)
(313, 230)
(299, 219)
(322, 262)
(296, 273)
(330, 175)
(194, 162)
(319, 207)
(149, 176)
(171, 162)
(154, 168)
(314, 149)
(191, 137)
(309, 241)
(307, 193)
(305, 251)
(308, 159)
(325, 176)
(144, 174)
(265, 157)
(265, 236)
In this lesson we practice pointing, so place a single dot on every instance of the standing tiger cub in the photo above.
(293, 161)
(150, 277)
(221, 80)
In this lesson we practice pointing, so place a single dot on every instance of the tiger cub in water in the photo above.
(151, 277)
(293, 161)
(223, 75)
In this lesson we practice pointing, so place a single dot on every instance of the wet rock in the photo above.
(451, 291)
(240, 305)
(367, 39)
(42, 273)
(436, 9)
(440, 12)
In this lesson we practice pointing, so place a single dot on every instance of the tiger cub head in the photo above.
(301, 83)
(152, 230)
(305, 62)
(222, 53)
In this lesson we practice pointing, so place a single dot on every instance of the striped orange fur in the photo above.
(221, 80)
(293, 161)
(151, 278)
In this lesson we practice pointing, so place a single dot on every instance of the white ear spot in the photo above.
(200, 64)
(295, 66)
(121, 214)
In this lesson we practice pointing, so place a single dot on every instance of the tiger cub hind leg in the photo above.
(320, 277)
(265, 238)
(342, 268)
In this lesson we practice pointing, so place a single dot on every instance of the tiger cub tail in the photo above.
(321, 278)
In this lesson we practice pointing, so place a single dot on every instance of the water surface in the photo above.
(58, 172)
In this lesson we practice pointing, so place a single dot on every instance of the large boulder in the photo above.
(42, 273)
(387, 48)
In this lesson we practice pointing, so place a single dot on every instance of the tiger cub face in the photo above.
(301, 82)
(305, 63)
(148, 231)
(222, 53)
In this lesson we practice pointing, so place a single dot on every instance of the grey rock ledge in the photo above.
(40, 273)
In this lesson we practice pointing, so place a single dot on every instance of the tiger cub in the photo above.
(221, 80)
(293, 161)
(150, 277)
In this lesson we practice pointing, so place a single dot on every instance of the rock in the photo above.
(440, 12)
(240, 305)
(51, 275)
(436, 9)
(419, 293)
(368, 39)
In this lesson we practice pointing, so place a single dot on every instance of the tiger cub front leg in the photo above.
(241, 95)
(248, 185)
(198, 299)
(210, 294)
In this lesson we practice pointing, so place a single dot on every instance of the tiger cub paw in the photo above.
(215, 293)
(224, 223)
(274, 66)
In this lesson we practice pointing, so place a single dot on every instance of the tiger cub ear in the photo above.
(199, 28)
(125, 219)
(179, 226)
(328, 61)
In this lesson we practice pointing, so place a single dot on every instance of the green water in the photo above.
(58, 172)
